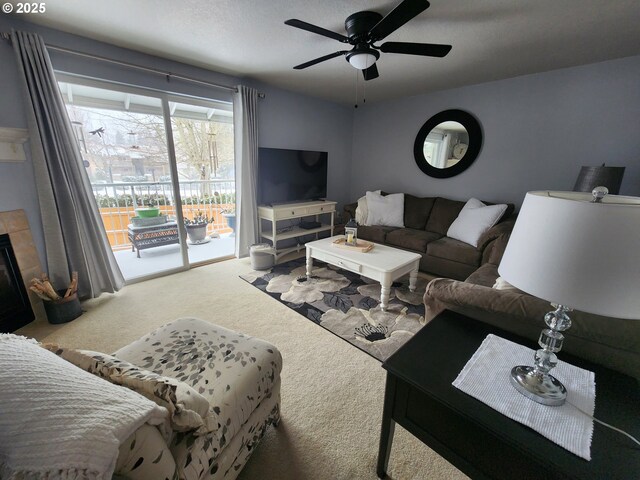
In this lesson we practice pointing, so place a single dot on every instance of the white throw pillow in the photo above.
(502, 284)
(386, 211)
(474, 219)
(362, 212)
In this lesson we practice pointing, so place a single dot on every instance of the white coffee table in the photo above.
(383, 263)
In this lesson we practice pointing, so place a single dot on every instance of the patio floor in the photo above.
(158, 259)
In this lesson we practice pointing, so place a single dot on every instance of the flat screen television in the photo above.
(286, 176)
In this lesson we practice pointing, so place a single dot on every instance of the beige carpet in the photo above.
(332, 393)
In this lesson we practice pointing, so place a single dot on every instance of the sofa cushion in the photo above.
(507, 213)
(374, 233)
(411, 239)
(498, 249)
(443, 213)
(455, 250)
(474, 220)
(416, 211)
(362, 210)
(385, 210)
(443, 267)
(349, 211)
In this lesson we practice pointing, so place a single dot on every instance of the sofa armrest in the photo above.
(496, 307)
(591, 336)
(349, 211)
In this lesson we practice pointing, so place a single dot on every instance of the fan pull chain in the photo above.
(356, 105)
(364, 91)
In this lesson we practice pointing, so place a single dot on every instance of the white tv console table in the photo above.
(293, 211)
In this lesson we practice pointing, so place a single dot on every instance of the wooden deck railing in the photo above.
(117, 203)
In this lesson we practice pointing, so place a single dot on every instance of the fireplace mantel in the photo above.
(11, 141)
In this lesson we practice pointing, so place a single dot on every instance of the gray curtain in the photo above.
(245, 119)
(74, 234)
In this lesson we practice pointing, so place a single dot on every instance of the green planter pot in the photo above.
(148, 212)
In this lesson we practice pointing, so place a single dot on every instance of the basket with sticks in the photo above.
(62, 305)
(42, 288)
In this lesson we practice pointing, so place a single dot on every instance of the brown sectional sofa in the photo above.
(612, 342)
(426, 221)
(470, 273)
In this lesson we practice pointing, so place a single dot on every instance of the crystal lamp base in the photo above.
(539, 387)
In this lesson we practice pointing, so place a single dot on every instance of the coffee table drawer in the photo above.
(337, 261)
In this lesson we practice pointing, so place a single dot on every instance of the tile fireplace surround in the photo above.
(15, 224)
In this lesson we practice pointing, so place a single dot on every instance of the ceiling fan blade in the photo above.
(318, 60)
(371, 72)
(404, 11)
(426, 49)
(315, 29)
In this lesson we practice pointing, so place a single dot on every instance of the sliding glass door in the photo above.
(154, 164)
(203, 140)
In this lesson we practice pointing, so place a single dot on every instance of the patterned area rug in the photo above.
(347, 304)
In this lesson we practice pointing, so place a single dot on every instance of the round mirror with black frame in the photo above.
(448, 143)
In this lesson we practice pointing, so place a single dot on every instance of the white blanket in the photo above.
(58, 421)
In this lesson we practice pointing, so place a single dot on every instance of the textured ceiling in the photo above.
(492, 39)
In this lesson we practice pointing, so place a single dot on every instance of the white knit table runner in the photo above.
(486, 377)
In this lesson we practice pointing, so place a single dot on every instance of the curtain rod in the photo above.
(168, 75)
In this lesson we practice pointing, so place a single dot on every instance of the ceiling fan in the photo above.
(366, 28)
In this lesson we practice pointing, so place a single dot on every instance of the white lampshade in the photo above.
(568, 250)
(362, 61)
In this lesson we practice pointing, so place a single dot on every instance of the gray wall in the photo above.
(538, 130)
(286, 120)
(17, 184)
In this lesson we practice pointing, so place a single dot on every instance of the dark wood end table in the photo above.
(482, 442)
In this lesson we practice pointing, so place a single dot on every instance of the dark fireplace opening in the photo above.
(15, 308)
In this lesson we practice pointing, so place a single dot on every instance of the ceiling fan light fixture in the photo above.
(364, 29)
(363, 60)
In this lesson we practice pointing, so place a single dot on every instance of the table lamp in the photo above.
(602, 176)
(578, 251)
